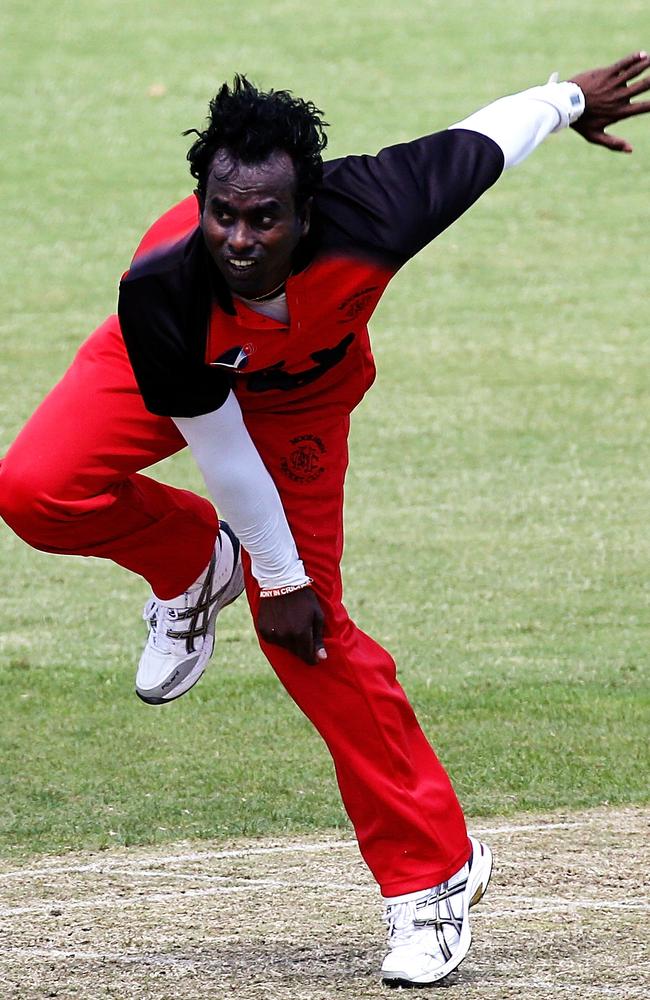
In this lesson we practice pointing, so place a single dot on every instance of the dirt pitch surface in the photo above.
(566, 915)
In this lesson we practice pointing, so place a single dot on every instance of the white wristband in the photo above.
(566, 97)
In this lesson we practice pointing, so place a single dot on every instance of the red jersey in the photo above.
(190, 342)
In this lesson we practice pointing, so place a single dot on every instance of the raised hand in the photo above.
(608, 99)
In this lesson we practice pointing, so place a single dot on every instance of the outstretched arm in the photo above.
(520, 122)
(589, 103)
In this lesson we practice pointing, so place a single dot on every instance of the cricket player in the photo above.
(242, 333)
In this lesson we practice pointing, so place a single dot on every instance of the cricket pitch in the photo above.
(566, 915)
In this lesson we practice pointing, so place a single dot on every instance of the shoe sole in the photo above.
(477, 883)
(228, 594)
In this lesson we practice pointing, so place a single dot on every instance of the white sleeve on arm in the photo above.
(244, 493)
(520, 122)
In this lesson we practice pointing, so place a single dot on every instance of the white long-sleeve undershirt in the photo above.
(520, 122)
(243, 492)
(234, 474)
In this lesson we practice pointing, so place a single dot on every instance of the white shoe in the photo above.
(429, 934)
(181, 631)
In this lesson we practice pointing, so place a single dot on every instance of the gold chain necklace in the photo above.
(270, 295)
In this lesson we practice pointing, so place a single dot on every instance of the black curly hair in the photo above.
(250, 124)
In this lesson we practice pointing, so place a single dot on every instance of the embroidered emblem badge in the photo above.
(305, 462)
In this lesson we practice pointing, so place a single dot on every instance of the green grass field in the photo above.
(497, 534)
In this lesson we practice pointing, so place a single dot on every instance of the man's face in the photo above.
(250, 222)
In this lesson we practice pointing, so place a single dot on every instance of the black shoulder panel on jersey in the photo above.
(386, 207)
(395, 203)
(164, 310)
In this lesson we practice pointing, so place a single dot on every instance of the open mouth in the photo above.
(241, 264)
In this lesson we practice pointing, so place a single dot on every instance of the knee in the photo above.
(27, 503)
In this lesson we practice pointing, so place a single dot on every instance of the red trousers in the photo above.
(70, 484)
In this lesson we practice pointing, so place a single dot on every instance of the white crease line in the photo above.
(564, 906)
(531, 904)
(162, 873)
(144, 899)
(552, 901)
(44, 907)
(108, 864)
(249, 852)
(531, 828)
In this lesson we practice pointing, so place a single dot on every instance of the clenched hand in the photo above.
(295, 622)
